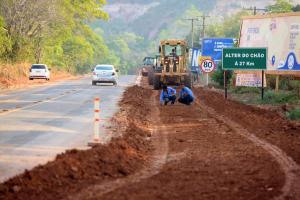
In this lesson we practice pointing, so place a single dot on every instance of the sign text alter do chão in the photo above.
(244, 58)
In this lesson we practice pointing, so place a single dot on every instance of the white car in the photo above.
(105, 74)
(39, 71)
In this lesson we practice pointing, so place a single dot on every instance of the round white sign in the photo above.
(208, 66)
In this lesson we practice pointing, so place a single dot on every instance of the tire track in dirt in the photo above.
(291, 188)
(159, 139)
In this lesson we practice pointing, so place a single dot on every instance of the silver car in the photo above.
(105, 74)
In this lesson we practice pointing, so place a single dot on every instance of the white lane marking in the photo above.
(37, 127)
(40, 102)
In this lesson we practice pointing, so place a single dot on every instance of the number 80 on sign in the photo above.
(207, 66)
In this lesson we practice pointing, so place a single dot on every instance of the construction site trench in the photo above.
(213, 149)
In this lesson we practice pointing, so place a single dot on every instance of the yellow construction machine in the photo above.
(173, 67)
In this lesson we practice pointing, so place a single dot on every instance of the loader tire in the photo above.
(144, 74)
(156, 82)
(150, 78)
(188, 81)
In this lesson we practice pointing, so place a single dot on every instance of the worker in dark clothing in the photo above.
(167, 95)
(186, 95)
(173, 53)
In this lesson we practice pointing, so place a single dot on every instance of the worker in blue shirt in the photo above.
(167, 95)
(186, 95)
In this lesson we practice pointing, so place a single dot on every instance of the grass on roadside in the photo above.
(274, 98)
(246, 90)
(252, 95)
(11, 74)
(294, 114)
(247, 95)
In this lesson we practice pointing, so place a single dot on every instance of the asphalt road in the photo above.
(38, 123)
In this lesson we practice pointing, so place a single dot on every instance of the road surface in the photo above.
(37, 124)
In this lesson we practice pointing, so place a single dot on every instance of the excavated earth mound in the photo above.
(266, 124)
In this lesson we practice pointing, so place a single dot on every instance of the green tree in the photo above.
(77, 52)
(230, 27)
(128, 48)
(52, 31)
(218, 76)
(280, 6)
(5, 44)
(296, 8)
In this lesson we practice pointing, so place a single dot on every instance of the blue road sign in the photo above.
(213, 47)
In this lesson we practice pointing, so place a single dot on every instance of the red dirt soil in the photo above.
(175, 152)
(206, 159)
(266, 124)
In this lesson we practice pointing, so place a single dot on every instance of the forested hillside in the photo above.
(149, 21)
(53, 32)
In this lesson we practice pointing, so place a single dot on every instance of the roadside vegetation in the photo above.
(294, 114)
(16, 75)
(288, 96)
(54, 32)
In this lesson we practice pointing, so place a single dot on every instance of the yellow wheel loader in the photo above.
(173, 68)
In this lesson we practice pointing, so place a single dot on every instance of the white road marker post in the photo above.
(96, 136)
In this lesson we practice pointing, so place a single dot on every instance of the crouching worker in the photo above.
(186, 95)
(167, 95)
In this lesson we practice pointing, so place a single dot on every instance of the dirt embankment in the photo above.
(206, 159)
(75, 170)
(266, 124)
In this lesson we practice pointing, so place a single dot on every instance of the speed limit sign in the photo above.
(207, 66)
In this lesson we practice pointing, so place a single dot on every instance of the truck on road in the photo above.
(148, 64)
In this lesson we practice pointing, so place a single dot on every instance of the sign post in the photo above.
(262, 84)
(225, 84)
(244, 59)
(207, 66)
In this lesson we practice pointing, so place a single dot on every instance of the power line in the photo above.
(192, 21)
(204, 17)
(255, 9)
(203, 25)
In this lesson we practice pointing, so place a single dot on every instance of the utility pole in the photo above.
(192, 21)
(255, 9)
(203, 25)
(204, 17)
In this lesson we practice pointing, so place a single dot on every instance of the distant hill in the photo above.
(135, 26)
(130, 1)
(147, 18)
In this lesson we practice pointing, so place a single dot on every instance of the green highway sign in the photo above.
(244, 58)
